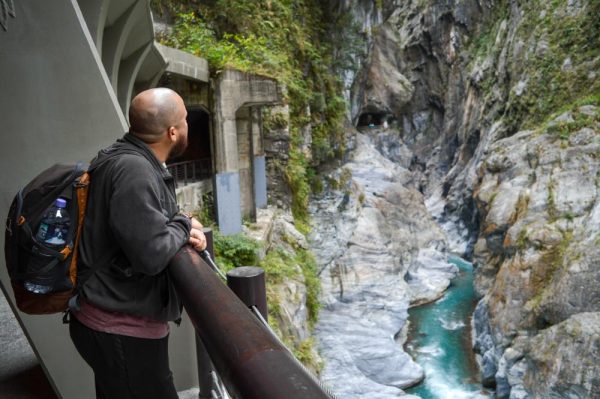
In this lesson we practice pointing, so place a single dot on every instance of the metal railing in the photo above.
(248, 357)
(190, 171)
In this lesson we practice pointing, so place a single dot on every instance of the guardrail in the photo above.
(250, 360)
(190, 171)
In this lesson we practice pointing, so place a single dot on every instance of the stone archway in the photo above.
(240, 178)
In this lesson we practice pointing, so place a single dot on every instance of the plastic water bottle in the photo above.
(52, 232)
(54, 226)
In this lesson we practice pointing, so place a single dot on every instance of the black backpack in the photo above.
(30, 260)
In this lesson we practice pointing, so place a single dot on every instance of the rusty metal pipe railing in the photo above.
(251, 362)
(205, 366)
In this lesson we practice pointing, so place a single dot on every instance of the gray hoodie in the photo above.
(132, 230)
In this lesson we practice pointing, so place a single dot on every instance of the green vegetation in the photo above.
(274, 120)
(559, 52)
(280, 265)
(305, 352)
(308, 265)
(563, 129)
(235, 250)
(552, 260)
(522, 239)
(291, 41)
(205, 214)
(296, 175)
(483, 44)
(552, 83)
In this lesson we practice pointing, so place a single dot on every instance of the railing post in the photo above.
(248, 283)
(185, 174)
(205, 366)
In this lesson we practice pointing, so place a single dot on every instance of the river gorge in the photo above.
(478, 135)
(412, 132)
(381, 252)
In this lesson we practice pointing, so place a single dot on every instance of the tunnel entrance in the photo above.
(195, 163)
(373, 119)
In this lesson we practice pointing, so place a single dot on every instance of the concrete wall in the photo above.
(194, 93)
(189, 197)
(57, 104)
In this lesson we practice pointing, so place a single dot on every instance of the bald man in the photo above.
(132, 230)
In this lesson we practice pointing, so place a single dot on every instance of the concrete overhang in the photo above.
(184, 64)
(153, 67)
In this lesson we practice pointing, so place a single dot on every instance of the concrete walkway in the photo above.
(21, 376)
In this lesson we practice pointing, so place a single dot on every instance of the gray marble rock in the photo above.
(566, 357)
(539, 200)
(367, 237)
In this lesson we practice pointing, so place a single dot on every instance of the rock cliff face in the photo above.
(494, 109)
(539, 258)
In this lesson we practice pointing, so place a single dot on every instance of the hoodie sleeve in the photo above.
(146, 235)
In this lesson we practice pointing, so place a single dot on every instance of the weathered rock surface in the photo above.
(379, 250)
(275, 231)
(567, 355)
(538, 197)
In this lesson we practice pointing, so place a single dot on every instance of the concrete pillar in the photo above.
(259, 168)
(257, 140)
(227, 198)
(260, 181)
(227, 179)
(245, 158)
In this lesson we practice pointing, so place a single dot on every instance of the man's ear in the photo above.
(172, 134)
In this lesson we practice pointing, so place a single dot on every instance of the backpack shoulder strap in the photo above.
(82, 201)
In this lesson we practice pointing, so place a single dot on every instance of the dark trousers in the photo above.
(125, 367)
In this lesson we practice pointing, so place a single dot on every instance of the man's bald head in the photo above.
(153, 111)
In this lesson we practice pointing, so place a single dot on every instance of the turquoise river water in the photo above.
(440, 341)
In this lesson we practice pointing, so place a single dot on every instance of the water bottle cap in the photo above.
(61, 203)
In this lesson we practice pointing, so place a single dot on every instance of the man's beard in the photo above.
(179, 148)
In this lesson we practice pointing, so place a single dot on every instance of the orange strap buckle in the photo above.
(66, 252)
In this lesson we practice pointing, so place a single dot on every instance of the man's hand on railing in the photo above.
(197, 239)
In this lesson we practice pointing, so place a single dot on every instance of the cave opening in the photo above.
(373, 119)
